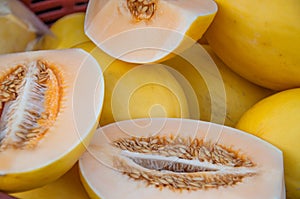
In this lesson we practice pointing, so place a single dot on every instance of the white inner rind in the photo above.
(17, 115)
(157, 162)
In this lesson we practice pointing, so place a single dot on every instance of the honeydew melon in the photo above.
(45, 121)
(147, 31)
(173, 158)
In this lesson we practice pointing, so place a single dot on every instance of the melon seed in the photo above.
(142, 9)
(29, 99)
(181, 164)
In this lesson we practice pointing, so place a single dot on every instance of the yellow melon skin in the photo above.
(135, 91)
(66, 32)
(222, 96)
(276, 120)
(259, 40)
(68, 186)
(77, 120)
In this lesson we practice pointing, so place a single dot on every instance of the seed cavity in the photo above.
(29, 103)
(181, 164)
(142, 10)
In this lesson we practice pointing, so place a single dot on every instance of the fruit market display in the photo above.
(151, 99)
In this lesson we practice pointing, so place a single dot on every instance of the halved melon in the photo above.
(180, 158)
(149, 30)
(50, 104)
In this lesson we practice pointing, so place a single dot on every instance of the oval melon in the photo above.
(45, 121)
(222, 95)
(276, 120)
(147, 31)
(66, 32)
(173, 158)
(259, 40)
(135, 91)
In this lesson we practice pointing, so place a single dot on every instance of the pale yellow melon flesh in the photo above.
(110, 25)
(103, 179)
(55, 153)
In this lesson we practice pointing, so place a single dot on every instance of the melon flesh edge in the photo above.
(67, 132)
(104, 180)
(110, 25)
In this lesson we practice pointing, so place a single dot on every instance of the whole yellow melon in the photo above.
(259, 40)
(276, 119)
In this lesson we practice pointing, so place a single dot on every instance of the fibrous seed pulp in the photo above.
(142, 9)
(181, 164)
(29, 102)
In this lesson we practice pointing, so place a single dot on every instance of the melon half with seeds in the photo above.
(180, 158)
(143, 31)
(50, 104)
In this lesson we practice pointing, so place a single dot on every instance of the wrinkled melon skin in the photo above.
(259, 40)
(19, 182)
(276, 120)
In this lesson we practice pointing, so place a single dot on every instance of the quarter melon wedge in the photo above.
(50, 104)
(147, 31)
(180, 158)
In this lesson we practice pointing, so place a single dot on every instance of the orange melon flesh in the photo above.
(110, 25)
(102, 179)
(80, 107)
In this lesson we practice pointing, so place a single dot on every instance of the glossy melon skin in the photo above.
(102, 180)
(259, 40)
(276, 120)
(175, 26)
(73, 128)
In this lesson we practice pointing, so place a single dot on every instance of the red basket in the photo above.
(51, 10)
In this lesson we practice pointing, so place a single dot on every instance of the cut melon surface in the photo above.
(147, 31)
(48, 120)
(180, 158)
